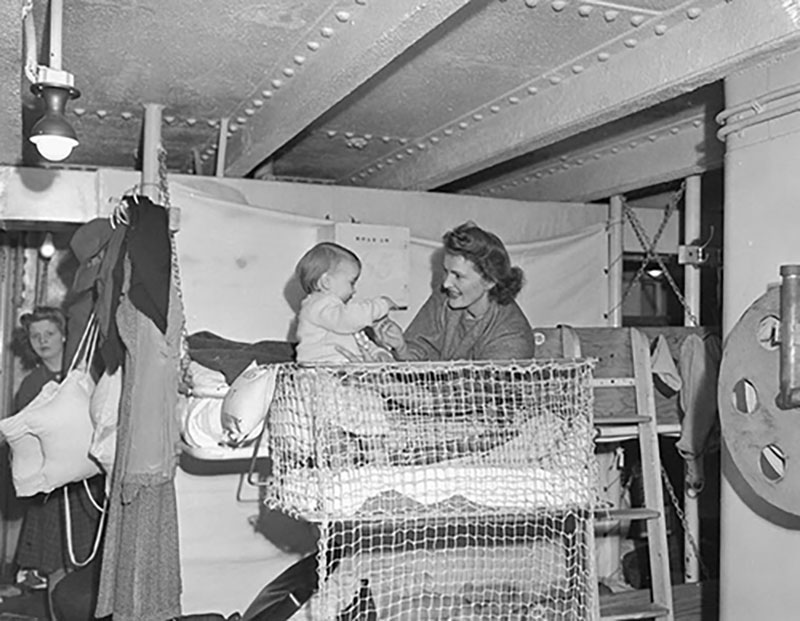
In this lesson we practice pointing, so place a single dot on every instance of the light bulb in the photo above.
(52, 134)
(48, 248)
(54, 148)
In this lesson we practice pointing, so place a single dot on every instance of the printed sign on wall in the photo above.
(384, 254)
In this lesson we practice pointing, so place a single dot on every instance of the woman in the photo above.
(43, 334)
(474, 315)
(41, 545)
(43, 338)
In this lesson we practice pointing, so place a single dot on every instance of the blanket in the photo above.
(232, 357)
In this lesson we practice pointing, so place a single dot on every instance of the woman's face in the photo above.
(464, 285)
(46, 339)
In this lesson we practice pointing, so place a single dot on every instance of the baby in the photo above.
(329, 319)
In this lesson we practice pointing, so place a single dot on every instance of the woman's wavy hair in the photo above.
(21, 344)
(487, 253)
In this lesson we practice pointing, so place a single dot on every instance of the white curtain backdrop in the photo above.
(566, 279)
(238, 262)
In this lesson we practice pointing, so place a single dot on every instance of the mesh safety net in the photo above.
(458, 490)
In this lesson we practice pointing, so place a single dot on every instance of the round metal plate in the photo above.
(763, 440)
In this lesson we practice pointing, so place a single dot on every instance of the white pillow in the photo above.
(202, 426)
(245, 405)
(207, 382)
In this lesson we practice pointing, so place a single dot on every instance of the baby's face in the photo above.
(341, 280)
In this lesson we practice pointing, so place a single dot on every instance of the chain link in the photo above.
(673, 498)
(649, 247)
(631, 216)
(163, 188)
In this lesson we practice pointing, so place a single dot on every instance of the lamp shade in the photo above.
(52, 134)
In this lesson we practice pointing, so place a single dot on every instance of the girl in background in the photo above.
(41, 548)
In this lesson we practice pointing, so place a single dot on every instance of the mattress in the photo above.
(347, 493)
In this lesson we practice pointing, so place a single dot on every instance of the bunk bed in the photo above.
(344, 499)
(412, 469)
(683, 369)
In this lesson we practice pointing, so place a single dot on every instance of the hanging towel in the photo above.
(663, 365)
(699, 362)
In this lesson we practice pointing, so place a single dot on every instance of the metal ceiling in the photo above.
(525, 99)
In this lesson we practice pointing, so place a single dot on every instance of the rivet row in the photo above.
(341, 16)
(567, 162)
(584, 10)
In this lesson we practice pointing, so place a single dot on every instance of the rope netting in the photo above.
(448, 490)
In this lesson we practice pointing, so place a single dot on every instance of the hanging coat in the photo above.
(140, 578)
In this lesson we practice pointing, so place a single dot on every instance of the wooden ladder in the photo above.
(610, 422)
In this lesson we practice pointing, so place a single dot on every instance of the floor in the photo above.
(29, 606)
(693, 602)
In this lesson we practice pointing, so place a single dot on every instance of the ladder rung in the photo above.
(648, 612)
(633, 513)
(621, 420)
(641, 423)
(613, 382)
(616, 433)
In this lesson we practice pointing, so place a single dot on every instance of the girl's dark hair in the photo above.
(21, 344)
(322, 258)
(487, 253)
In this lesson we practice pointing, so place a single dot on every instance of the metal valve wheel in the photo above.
(762, 439)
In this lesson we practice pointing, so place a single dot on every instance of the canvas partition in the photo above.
(566, 278)
(240, 239)
(238, 265)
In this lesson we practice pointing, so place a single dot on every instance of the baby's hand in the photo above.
(390, 335)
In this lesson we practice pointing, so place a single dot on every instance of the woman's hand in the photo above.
(390, 335)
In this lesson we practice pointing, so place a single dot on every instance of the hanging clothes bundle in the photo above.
(127, 277)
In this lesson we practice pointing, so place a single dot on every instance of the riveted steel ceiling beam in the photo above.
(343, 51)
(695, 52)
(671, 157)
(683, 144)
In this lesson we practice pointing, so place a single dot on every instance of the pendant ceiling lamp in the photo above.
(52, 134)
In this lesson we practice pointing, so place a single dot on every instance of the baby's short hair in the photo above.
(322, 258)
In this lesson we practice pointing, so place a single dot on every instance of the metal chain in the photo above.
(641, 234)
(684, 524)
(649, 247)
(163, 186)
(628, 212)
(5, 248)
(668, 276)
